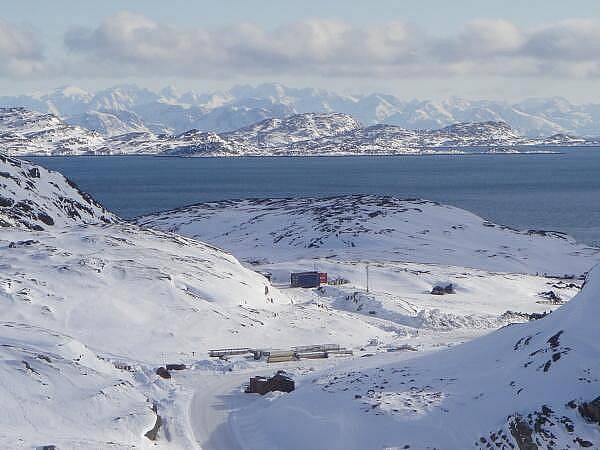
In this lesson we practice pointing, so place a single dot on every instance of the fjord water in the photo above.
(542, 191)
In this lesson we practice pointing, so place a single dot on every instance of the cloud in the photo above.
(21, 52)
(480, 40)
(133, 42)
(128, 43)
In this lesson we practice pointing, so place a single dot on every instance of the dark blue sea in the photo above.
(541, 191)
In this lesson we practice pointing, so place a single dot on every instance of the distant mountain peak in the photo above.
(242, 105)
(24, 132)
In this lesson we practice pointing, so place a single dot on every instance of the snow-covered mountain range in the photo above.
(130, 108)
(24, 132)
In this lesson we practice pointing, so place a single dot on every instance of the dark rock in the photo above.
(45, 218)
(153, 433)
(163, 373)
(443, 289)
(550, 296)
(547, 233)
(537, 316)
(23, 206)
(554, 340)
(5, 202)
(591, 411)
(583, 442)
(522, 433)
(34, 172)
(22, 243)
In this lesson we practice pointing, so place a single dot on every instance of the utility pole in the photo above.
(367, 268)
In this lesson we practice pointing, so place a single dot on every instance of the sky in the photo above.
(428, 49)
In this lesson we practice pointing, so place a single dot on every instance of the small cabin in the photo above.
(308, 279)
(281, 381)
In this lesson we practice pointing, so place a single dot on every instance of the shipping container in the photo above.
(307, 279)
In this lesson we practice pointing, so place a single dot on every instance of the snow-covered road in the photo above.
(215, 398)
(210, 408)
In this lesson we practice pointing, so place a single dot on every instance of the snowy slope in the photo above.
(59, 392)
(524, 386)
(338, 134)
(91, 305)
(296, 128)
(36, 198)
(496, 391)
(109, 124)
(23, 132)
(372, 227)
(32, 133)
(270, 136)
(87, 266)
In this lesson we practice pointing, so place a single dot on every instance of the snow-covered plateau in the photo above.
(92, 305)
(24, 132)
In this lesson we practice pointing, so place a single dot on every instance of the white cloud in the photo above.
(570, 40)
(132, 42)
(21, 53)
(128, 44)
(480, 40)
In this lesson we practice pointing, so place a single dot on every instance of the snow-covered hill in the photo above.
(373, 227)
(109, 124)
(519, 385)
(169, 111)
(526, 386)
(60, 392)
(24, 132)
(302, 127)
(267, 137)
(91, 306)
(36, 198)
